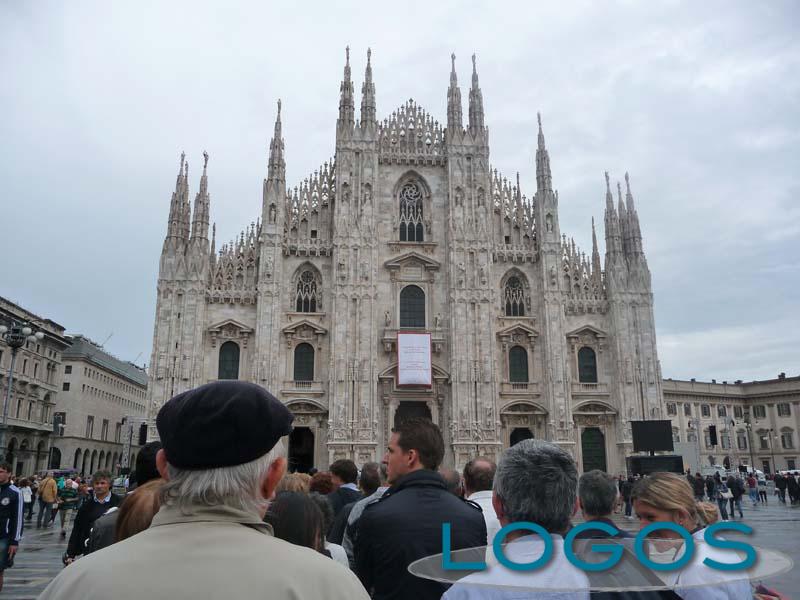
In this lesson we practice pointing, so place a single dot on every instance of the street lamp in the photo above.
(749, 428)
(15, 336)
(772, 449)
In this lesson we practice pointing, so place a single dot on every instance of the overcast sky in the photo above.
(700, 102)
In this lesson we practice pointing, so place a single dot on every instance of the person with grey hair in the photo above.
(222, 459)
(452, 480)
(597, 495)
(536, 482)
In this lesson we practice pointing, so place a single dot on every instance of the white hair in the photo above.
(236, 487)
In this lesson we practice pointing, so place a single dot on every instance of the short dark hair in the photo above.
(479, 474)
(146, 463)
(102, 475)
(370, 479)
(345, 469)
(597, 491)
(6, 466)
(424, 436)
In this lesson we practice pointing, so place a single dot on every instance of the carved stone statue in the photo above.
(387, 318)
(271, 213)
(437, 321)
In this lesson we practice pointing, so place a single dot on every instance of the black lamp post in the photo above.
(15, 336)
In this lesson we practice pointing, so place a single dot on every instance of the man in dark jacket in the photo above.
(11, 513)
(406, 523)
(737, 489)
(100, 501)
(780, 485)
(699, 485)
(104, 530)
(344, 474)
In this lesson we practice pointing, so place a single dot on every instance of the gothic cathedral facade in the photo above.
(409, 228)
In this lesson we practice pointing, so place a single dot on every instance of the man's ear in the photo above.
(276, 471)
(161, 464)
(497, 505)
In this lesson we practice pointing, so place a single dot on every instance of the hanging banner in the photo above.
(414, 359)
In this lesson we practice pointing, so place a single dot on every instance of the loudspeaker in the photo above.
(142, 434)
(712, 434)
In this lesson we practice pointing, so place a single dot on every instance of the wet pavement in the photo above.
(776, 526)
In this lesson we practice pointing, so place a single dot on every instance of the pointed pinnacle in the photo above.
(347, 55)
(627, 183)
(608, 183)
(539, 118)
(474, 67)
(205, 160)
(453, 62)
(369, 56)
(183, 159)
(279, 109)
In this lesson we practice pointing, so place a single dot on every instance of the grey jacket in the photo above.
(214, 552)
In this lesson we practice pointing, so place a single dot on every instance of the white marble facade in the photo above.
(307, 300)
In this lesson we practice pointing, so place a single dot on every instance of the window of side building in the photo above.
(705, 410)
(784, 409)
(759, 412)
(672, 409)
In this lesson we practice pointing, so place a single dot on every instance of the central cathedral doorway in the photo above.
(301, 450)
(593, 448)
(408, 409)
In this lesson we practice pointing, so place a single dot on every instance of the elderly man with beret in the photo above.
(222, 459)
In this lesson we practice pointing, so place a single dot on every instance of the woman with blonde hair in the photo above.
(668, 498)
(293, 482)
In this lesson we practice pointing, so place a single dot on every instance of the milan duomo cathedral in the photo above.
(409, 227)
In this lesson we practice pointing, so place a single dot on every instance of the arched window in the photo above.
(228, 361)
(306, 297)
(514, 297)
(304, 362)
(411, 226)
(587, 365)
(412, 307)
(518, 365)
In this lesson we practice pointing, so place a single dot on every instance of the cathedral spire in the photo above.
(276, 170)
(346, 103)
(633, 218)
(368, 94)
(613, 240)
(453, 99)
(176, 209)
(544, 179)
(202, 206)
(475, 102)
(213, 240)
(595, 253)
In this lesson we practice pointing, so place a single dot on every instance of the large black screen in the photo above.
(645, 465)
(652, 435)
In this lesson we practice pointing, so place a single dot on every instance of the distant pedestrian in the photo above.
(11, 518)
(793, 488)
(369, 480)
(27, 497)
(699, 487)
(626, 490)
(780, 487)
(48, 496)
(67, 504)
(351, 530)
(762, 490)
(736, 488)
(752, 489)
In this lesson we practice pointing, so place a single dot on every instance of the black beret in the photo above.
(221, 424)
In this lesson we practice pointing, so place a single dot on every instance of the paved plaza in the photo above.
(39, 559)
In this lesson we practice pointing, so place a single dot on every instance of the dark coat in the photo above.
(699, 486)
(736, 487)
(336, 534)
(84, 519)
(341, 497)
(406, 525)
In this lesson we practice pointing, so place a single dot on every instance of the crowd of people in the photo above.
(215, 513)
